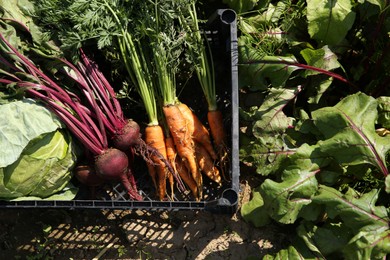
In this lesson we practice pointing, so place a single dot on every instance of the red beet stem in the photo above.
(130, 185)
(98, 92)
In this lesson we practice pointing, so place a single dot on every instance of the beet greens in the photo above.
(314, 121)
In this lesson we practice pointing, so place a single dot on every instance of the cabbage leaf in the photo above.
(24, 120)
(38, 155)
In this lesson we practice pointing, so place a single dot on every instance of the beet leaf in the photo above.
(349, 132)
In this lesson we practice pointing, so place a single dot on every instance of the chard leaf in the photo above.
(253, 211)
(317, 238)
(322, 58)
(270, 147)
(12, 9)
(270, 118)
(253, 24)
(25, 121)
(384, 111)
(258, 72)
(284, 200)
(329, 20)
(368, 245)
(319, 84)
(266, 154)
(349, 131)
(358, 212)
(309, 157)
(20, 11)
(311, 212)
(369, 223)
(291, 253)
(380, 3)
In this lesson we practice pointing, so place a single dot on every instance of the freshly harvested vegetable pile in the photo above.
(150, 45)
(142, 38)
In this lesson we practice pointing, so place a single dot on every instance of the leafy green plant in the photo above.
(121, 250)
(318, 133)
(44, 247)
(143, 254)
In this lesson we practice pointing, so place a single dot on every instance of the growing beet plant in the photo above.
(314, 76)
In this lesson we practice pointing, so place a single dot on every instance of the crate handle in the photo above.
(228, 16)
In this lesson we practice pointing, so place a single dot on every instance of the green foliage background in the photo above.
(314, 79)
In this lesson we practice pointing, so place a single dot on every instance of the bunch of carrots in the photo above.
(187, 142)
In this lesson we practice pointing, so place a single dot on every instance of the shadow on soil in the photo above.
(83, 234)
(137, 234)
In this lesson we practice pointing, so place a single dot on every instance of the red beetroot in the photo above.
(86, 175)
(128, 136)
(113, 164)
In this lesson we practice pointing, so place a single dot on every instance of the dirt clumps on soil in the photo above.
(137, 234)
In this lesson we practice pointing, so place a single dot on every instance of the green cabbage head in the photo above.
(37, 156)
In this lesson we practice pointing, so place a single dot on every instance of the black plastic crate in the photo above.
(221, 32)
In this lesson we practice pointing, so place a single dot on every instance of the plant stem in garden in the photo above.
(304, 66)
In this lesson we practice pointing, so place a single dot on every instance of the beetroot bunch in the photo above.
(95, 118)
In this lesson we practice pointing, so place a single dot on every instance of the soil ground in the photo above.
(136, 234)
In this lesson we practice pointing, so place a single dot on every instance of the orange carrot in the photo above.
(183, 141)
(171, 157)
(187, 178)
(198, 131)
(152, 173)
(206, 164)
(179, 167)
(215, 120)
(216, 127)
(154, 136)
